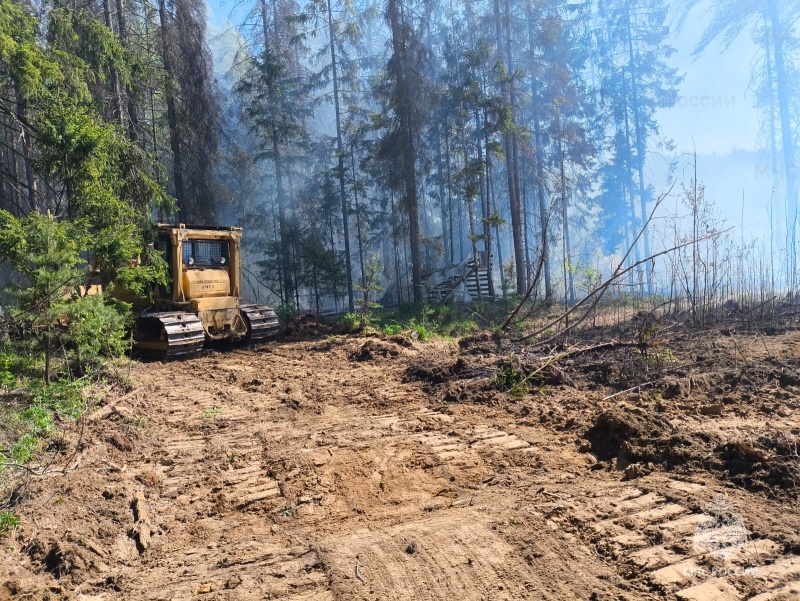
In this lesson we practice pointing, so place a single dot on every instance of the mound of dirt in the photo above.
(482, 343)
(641, 438)
(374, 348)
(432, 373)
(613, 429)
(762, 469)
(308, 324)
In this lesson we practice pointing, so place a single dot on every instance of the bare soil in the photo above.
(363, 468)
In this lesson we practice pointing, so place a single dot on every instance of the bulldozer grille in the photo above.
(205, 252)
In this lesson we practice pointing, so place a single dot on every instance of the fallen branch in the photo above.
(598, 293)
(107, 409)
(614, 344)
(601, 290)
(16, 394)
(143, 528)
(637, 387)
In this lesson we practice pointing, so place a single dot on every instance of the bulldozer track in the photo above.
(653, 537)
(169, 335)
(262, 322)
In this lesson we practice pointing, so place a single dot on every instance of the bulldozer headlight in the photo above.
(190, 261)
(222, 261)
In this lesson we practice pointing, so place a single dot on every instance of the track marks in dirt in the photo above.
(271, 471)
(679, 552)
(233, 562)
(215, 488)
(455, 555)
(211, 454)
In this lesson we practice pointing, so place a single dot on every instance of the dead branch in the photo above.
(614, 344)
(637, 387)
(603, 286)
(531, 289)
(143, 527)
(598, 293)
(107, 409)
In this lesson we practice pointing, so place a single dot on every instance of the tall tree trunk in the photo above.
(442, 201)
(450, 198)
(569, 288)
(635, 223)
(510, 147)
(787, 134)
(499, 248)
(640, 148)
(340, 152)
(172, 114)
(358, 231)
(399, 48)
(118, 113)
(285, 258)
(487, 224)
(122, 30)
(333, 250)
(396, 250)
(26, 156)
(544, 218)
(526, 211)
(544, 214)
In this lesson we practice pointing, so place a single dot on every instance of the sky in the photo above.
(715, 110)
(715, 116)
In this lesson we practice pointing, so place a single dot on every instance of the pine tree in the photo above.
(275, 108)
(405, 91)
(636, 80)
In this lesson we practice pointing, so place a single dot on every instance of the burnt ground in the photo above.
(373, 468)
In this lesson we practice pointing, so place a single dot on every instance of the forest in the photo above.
(513, 312)
(364, 145)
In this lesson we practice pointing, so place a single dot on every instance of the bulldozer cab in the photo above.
(203, 264)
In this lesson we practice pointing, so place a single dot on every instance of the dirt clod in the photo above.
(121, 442)
(374, 348)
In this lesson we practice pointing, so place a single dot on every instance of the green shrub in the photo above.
(8, 521)
(351, 322)
(36, 422)
(513, 378)
(7, 378)
(422, 333)
(458, 329)
(25, 448)
(97, 328)
(286, 311)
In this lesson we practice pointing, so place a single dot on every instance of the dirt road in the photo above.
(320, 470)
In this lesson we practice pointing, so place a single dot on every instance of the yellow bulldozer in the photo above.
(203, 302)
